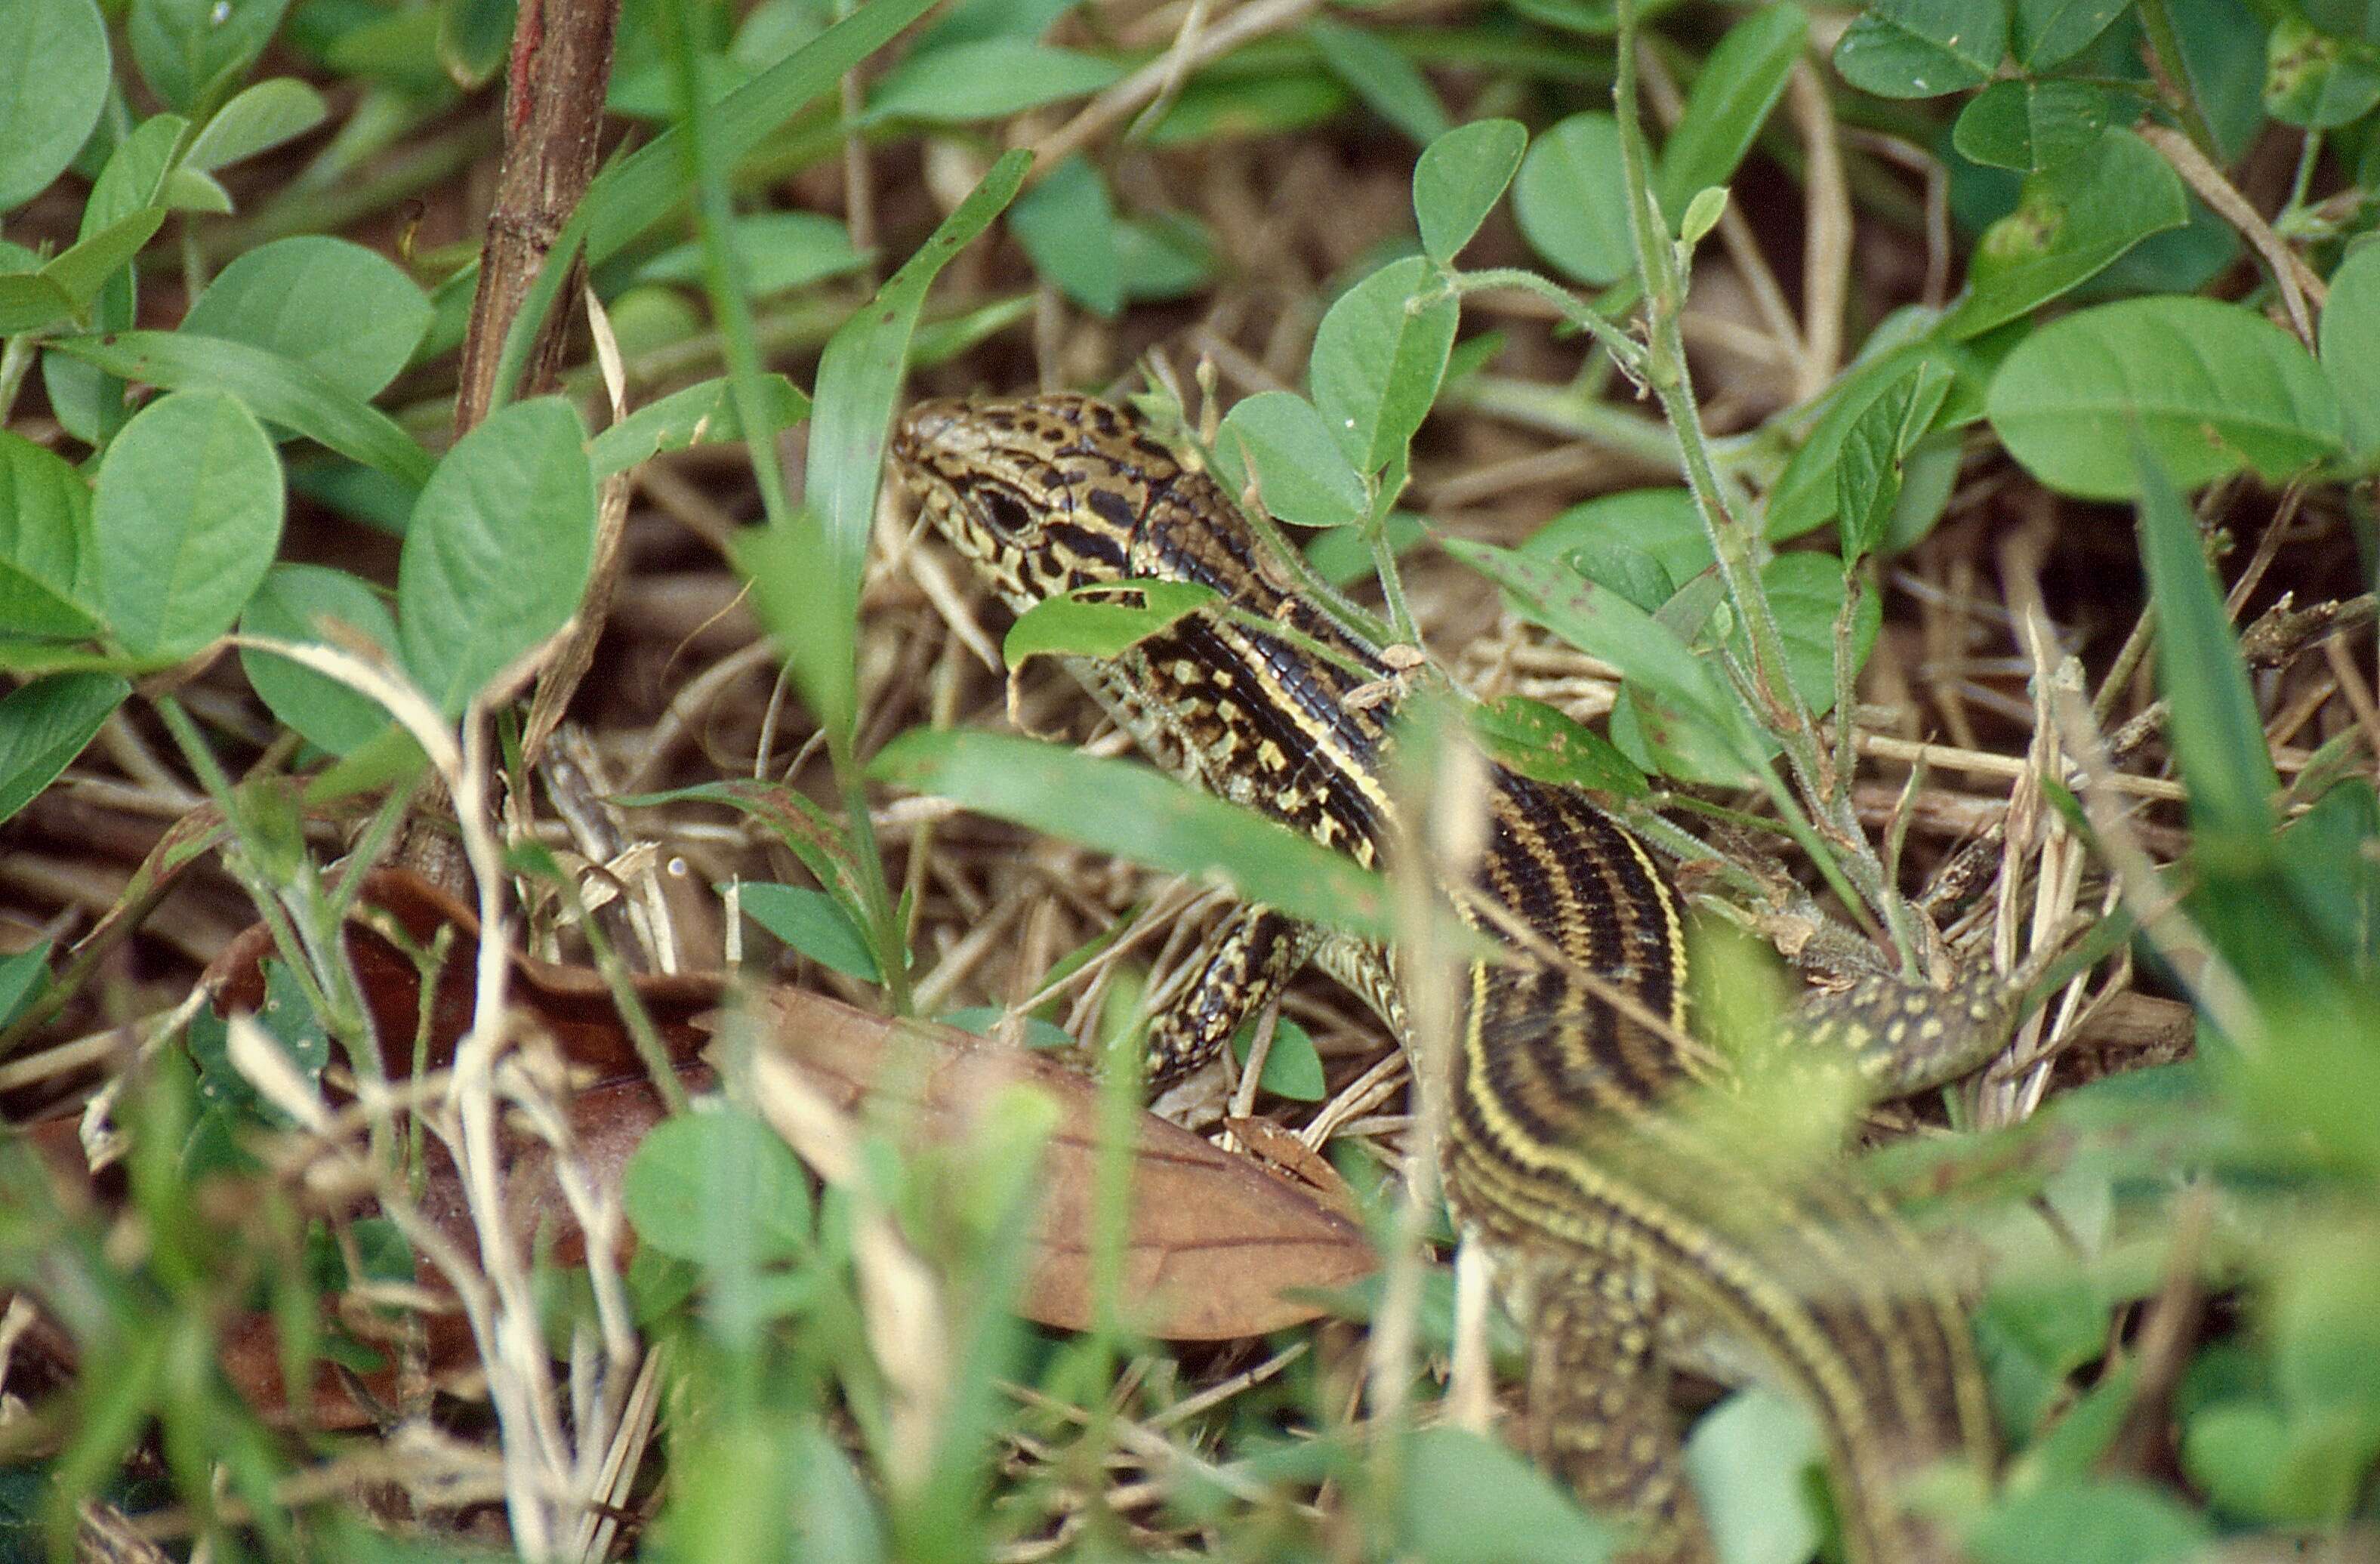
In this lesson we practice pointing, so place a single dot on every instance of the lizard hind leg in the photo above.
(1242, 965)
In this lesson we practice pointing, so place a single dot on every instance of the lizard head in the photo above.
(1044, 494)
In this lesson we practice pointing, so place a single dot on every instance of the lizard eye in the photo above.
(1006, 513)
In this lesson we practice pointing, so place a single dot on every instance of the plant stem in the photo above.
(1776, 702)
(2164, 43)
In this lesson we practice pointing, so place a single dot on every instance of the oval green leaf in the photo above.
(186, 517)
(1101, 621)
(342, 311)
(1922, 48)
(52, 84)
(2031, 125)
(2209, 387)
(291, 605)
(718, 1188)
(498, 552)
(1460, 178)
(1379, 357)
(1572, 203)
(2049, 33)
(45, 725)
(2315, 81)
(1067, 224)
(263, 115)
(812, 922)
(2350, 347)
(987, 80)
(49, 582)
(1300, 474)
(2073, 222)
(1732, 99)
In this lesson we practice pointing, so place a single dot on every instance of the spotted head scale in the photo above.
(1044, 494)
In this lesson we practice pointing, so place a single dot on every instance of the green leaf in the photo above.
(1805, 593)
(2316, 82)
(984, 1022)
(1540, 741)
(2325, 1326)
(987, 79)
(1627, 569)
(1237, 107)
(1752, 1458)
(187, 516)
(135, 172)
(1460, 178)
(340, 310)
(1142, 814)
(1469, 1499)
(45, 725)
(472, 37)
(701, 413)
(2031, 125)
(498, 552)
(1165, 255)
(1867, 482)
(279, 390)
(1602, 623)
(54, 79)
(2211, 388)
(1379, 356)
(1922, 48)
(719, 1188)
(187, 50)
(1097, 622)
(1390, 84)
(83, 268)
(2358, 20)
(1292, 1067)
(2047, 33)
(781, 251)
(1280, 440)
(188, 189)
(806, 576)
(812, 922)
(1067, 224)
(289, 606)
(24, 976)
(2104, 1522)
(1805, 493)
(28, 299)
(1704, 210)
(261, 117)
(2073, 221)
(2239, 1450)
(1572, 203)
(2350, 348)
(49, 583)
(1732, 99)
(2218, 736)
(1660, 526)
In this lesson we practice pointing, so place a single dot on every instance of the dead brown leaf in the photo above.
(1214, 1244)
